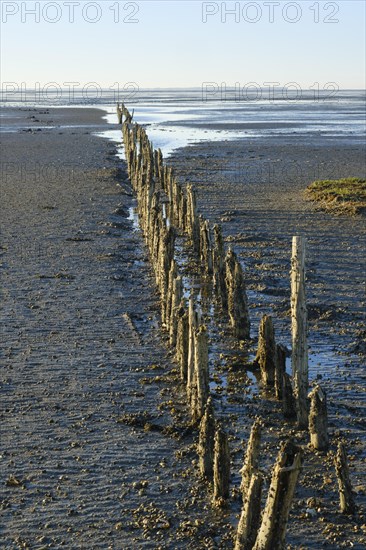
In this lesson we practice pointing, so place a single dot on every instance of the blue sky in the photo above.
(170, 45)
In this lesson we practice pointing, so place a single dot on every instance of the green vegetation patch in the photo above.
(344, 196)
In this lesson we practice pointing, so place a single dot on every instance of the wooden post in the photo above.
(177, 294)
(192, 325)
(183, 211)
(237, 298)
(161, 169)
(182, 340)
(221, 467)
(206, 441)
(169, 182)
(299, 330)
(192, 223)
(119, 114)
(280, 370)
(201, 370)
(251, 515)
(175, 201)
(205, 245)
(219, 266)
(166, 251)
(272, 532)
(251, 462)
(155, 228)
(156, 164)
(346, 498)
(166, 173)
(150, 190)
(266, 354)
(167, 273)
(318, 419)
(288, 399)
(166, 305)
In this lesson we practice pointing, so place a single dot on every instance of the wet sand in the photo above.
(255, 189)
(85, 426)
(94, 425)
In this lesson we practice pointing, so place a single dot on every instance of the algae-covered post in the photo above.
(177, 294)
(182, 340)
(166, 301)
(272, 531)
(192, 221)
(205, 245)
(219, 266)
(221, 466)
(251, 462)
(250, 516)
(206, 441)
(280, 370)
(288, 399)
(346, 498)
(318, 419)
(237, 297)
(266, 354)
(299, 330)
(193, 321)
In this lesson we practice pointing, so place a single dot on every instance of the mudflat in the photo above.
(256, 189)
(98, 449)
(89, 449)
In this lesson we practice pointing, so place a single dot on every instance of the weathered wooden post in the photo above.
(174, 200)
(165, 273)
(288, 399)
(251, 461)
(168, 170)
(168, 245)
(149, 194)
(221, 467)
(266, 354)
(177, 294)
(299, 330)
(192, 222)
(192, 325)
(182, 340)
(237, 298)
(205, 245)
(318, 419)
(119, 114)
(166, 293)
(206, 441)
(219, 266)
(280, 370)
(156, 164)
(161, 169)
(272, 532)
(182, 210)
(251, 515)
(166, 173)
(346, 498)
(201, 370)
(155, 229)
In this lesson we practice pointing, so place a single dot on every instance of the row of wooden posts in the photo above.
(167, 210)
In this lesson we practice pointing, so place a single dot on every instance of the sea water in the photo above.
(176, 118)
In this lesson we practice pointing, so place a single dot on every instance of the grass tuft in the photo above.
(344, 196)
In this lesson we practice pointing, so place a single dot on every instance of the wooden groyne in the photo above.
(169, 214)
(167, 210)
